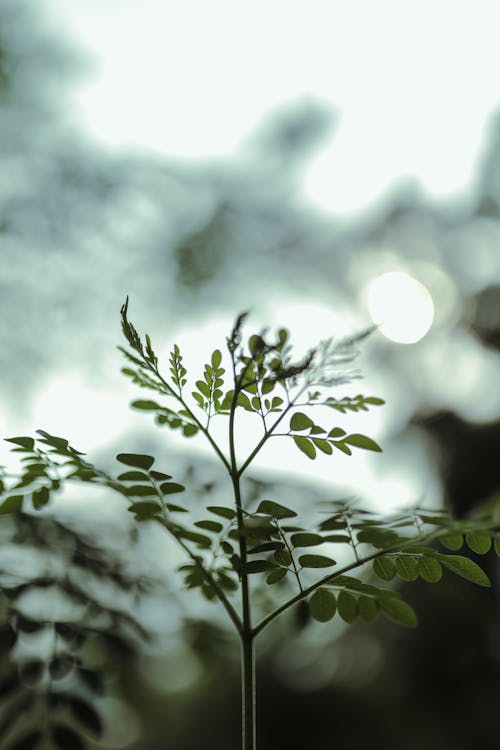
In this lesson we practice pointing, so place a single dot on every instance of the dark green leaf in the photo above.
(306, 446)
(146, 405)
(452, 541)
(275, 509)
(257, 566)
(159, 475)
(24, 442)
(335, 523)
(192, 536)
(337, 539)
(384, 568)
(283, 557)
(497, 546)
(429, 569)
(305, 539)
(220, 510)
(361, 441)
(276, 575)
(316, 561)
(216, 359)
(479, 542)
(398, 611)
(145, 510)
(209, 526)
(12, 504)
(381, 538)
(40, 498)
(189, 430)
(141, 490)
(336, 432)
(322, 605)
(133, 476)
(139, 460)
(299, 422)
(342, 447)
(465, 568)
(170, 488)
(407, 568)
(323, 445)
(347, 606)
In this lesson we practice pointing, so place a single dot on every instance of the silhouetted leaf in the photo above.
(347, 606)
(275, 509)
(322, 605)
(209, 526)
(257, 566)
(276, 575)
(170, 488)
(221, 511)
(139, 460)
(305, 539)
(24, 442)
(12, 504)
(316, 561)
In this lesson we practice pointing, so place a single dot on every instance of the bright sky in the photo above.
(413, 82)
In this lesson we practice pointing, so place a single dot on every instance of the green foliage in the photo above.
(267, 537)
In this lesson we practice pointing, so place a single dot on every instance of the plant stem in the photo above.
(248, 692)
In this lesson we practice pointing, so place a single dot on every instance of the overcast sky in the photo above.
(413, 82)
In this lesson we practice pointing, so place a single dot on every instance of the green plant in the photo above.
(233, 544)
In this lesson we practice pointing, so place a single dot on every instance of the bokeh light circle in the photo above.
(401, 306)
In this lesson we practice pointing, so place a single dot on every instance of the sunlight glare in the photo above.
(401, 306)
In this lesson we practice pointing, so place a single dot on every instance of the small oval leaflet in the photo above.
(220, 510)
(347, 606)
(300, 421)
(305, 539)
(452, 541)
(275, 509)
(361, 441)
(406, 567)
(322, 605)
(465, 568)
(306, 446)
(479, 542)
(316, 561)
(141, 461)
(384, 568)
(429, 569)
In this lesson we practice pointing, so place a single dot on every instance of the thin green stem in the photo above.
(331, 577)
(285, 542)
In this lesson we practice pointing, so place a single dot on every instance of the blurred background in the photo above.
(326, 166)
